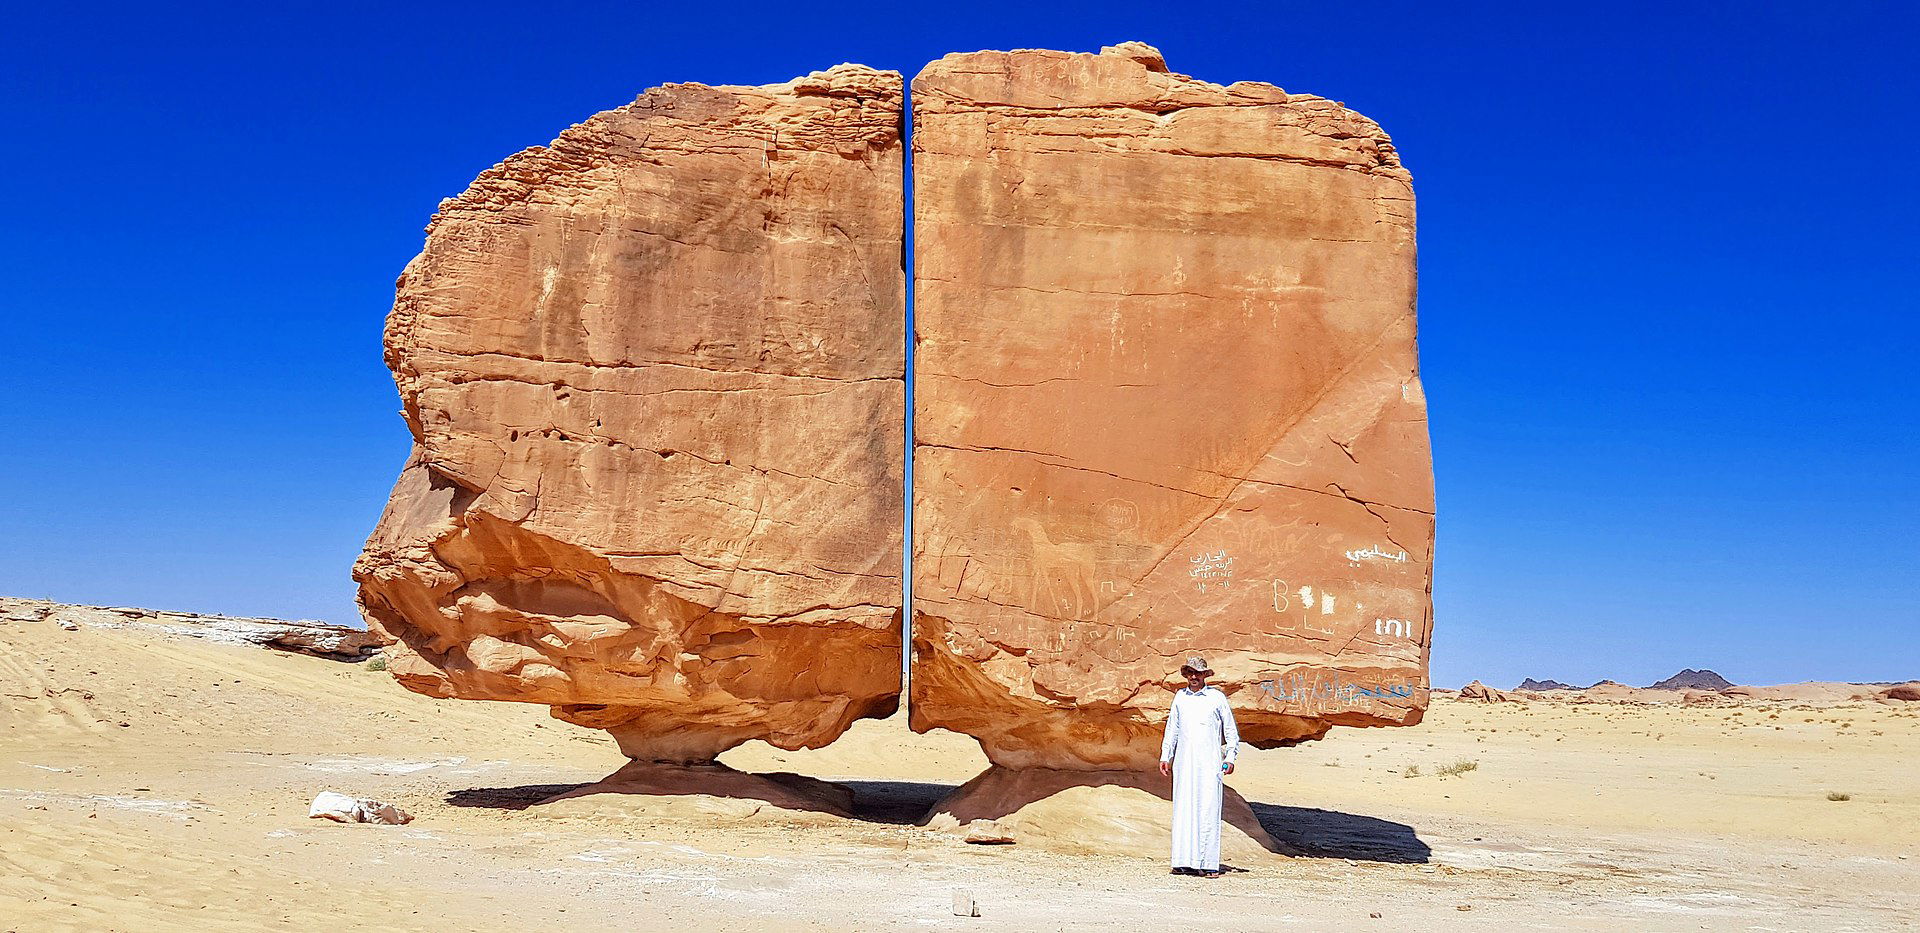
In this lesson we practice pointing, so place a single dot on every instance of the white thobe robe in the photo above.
(1199, 728)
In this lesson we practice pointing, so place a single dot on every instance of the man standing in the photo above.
(1198, 728)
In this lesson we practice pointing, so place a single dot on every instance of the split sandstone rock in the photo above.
(654, 376)
(1168, 403)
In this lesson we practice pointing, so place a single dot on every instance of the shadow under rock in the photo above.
(898, 803)
(1332, 834)
(507, 798)
(901, 803)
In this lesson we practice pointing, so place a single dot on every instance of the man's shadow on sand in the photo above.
(1299, 831)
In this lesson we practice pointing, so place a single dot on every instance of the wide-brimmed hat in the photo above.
(1196, 664)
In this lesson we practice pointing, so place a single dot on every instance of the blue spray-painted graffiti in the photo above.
(1320, 689)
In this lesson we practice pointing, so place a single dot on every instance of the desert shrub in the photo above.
(377, 664)
(1457, 768)
(1836, 795)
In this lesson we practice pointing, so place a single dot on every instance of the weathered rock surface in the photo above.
(653, 371)
(1483, 693)
(305, 636)
(1168, 403)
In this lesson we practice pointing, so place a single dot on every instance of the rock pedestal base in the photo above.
(1092, 813)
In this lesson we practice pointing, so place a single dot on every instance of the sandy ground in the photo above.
(157, 783)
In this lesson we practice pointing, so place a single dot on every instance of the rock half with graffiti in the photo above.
(1168, 403)
(654, 376)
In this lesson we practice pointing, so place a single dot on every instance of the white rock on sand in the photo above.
(341, 808)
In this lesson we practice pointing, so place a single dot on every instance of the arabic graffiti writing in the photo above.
(1214, 568)
(1375, 553)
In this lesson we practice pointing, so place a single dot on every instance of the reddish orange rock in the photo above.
(1168, 403)
(654, 374)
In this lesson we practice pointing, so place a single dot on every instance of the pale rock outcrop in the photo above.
(1614, 691)
(1812, 691)
(1168, 403)
(1483, 693)
(304, 636)
(654, 376)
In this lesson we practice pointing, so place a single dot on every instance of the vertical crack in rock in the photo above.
(654, 372)
(1168, 404)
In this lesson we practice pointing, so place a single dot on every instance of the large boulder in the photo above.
(1168, 403)
(654, 376)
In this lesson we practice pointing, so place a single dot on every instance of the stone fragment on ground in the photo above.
(988, 833)
(340, 808)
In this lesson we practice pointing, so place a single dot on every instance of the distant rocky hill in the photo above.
(1688, 679)
(1691, 679)
(1697, 688)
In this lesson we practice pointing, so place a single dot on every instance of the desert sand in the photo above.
(152, 782)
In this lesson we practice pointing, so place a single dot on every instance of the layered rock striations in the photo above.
(654, 376)
(1168, 403)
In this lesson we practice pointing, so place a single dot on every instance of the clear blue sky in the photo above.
(1668, 280)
